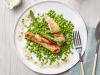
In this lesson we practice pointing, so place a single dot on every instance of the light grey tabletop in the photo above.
(9, 62)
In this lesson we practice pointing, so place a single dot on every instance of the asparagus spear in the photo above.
(32, 14)
(43, 41)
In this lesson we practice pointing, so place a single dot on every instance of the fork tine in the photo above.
(79, 38)
(78, 41)
(74, 38)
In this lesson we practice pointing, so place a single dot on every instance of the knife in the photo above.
(97, 35)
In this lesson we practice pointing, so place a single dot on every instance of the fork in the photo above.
(78, 46)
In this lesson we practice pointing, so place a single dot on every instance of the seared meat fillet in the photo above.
(43, 41)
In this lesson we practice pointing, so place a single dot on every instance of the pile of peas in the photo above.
(40, 25)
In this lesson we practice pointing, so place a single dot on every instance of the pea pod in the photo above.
(55, 29)
(59, 39)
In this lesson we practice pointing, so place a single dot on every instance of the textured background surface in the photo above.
(9, 62)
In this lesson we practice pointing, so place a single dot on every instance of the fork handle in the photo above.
(82, 68)
(81, 64)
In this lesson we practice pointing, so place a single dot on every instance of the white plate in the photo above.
(68, 14)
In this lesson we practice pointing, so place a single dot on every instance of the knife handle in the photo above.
(95, 64)
(95, 59)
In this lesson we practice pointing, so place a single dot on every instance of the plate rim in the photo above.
(35, 4)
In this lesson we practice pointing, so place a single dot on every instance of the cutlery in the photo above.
(97, 35)
(78, 47)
